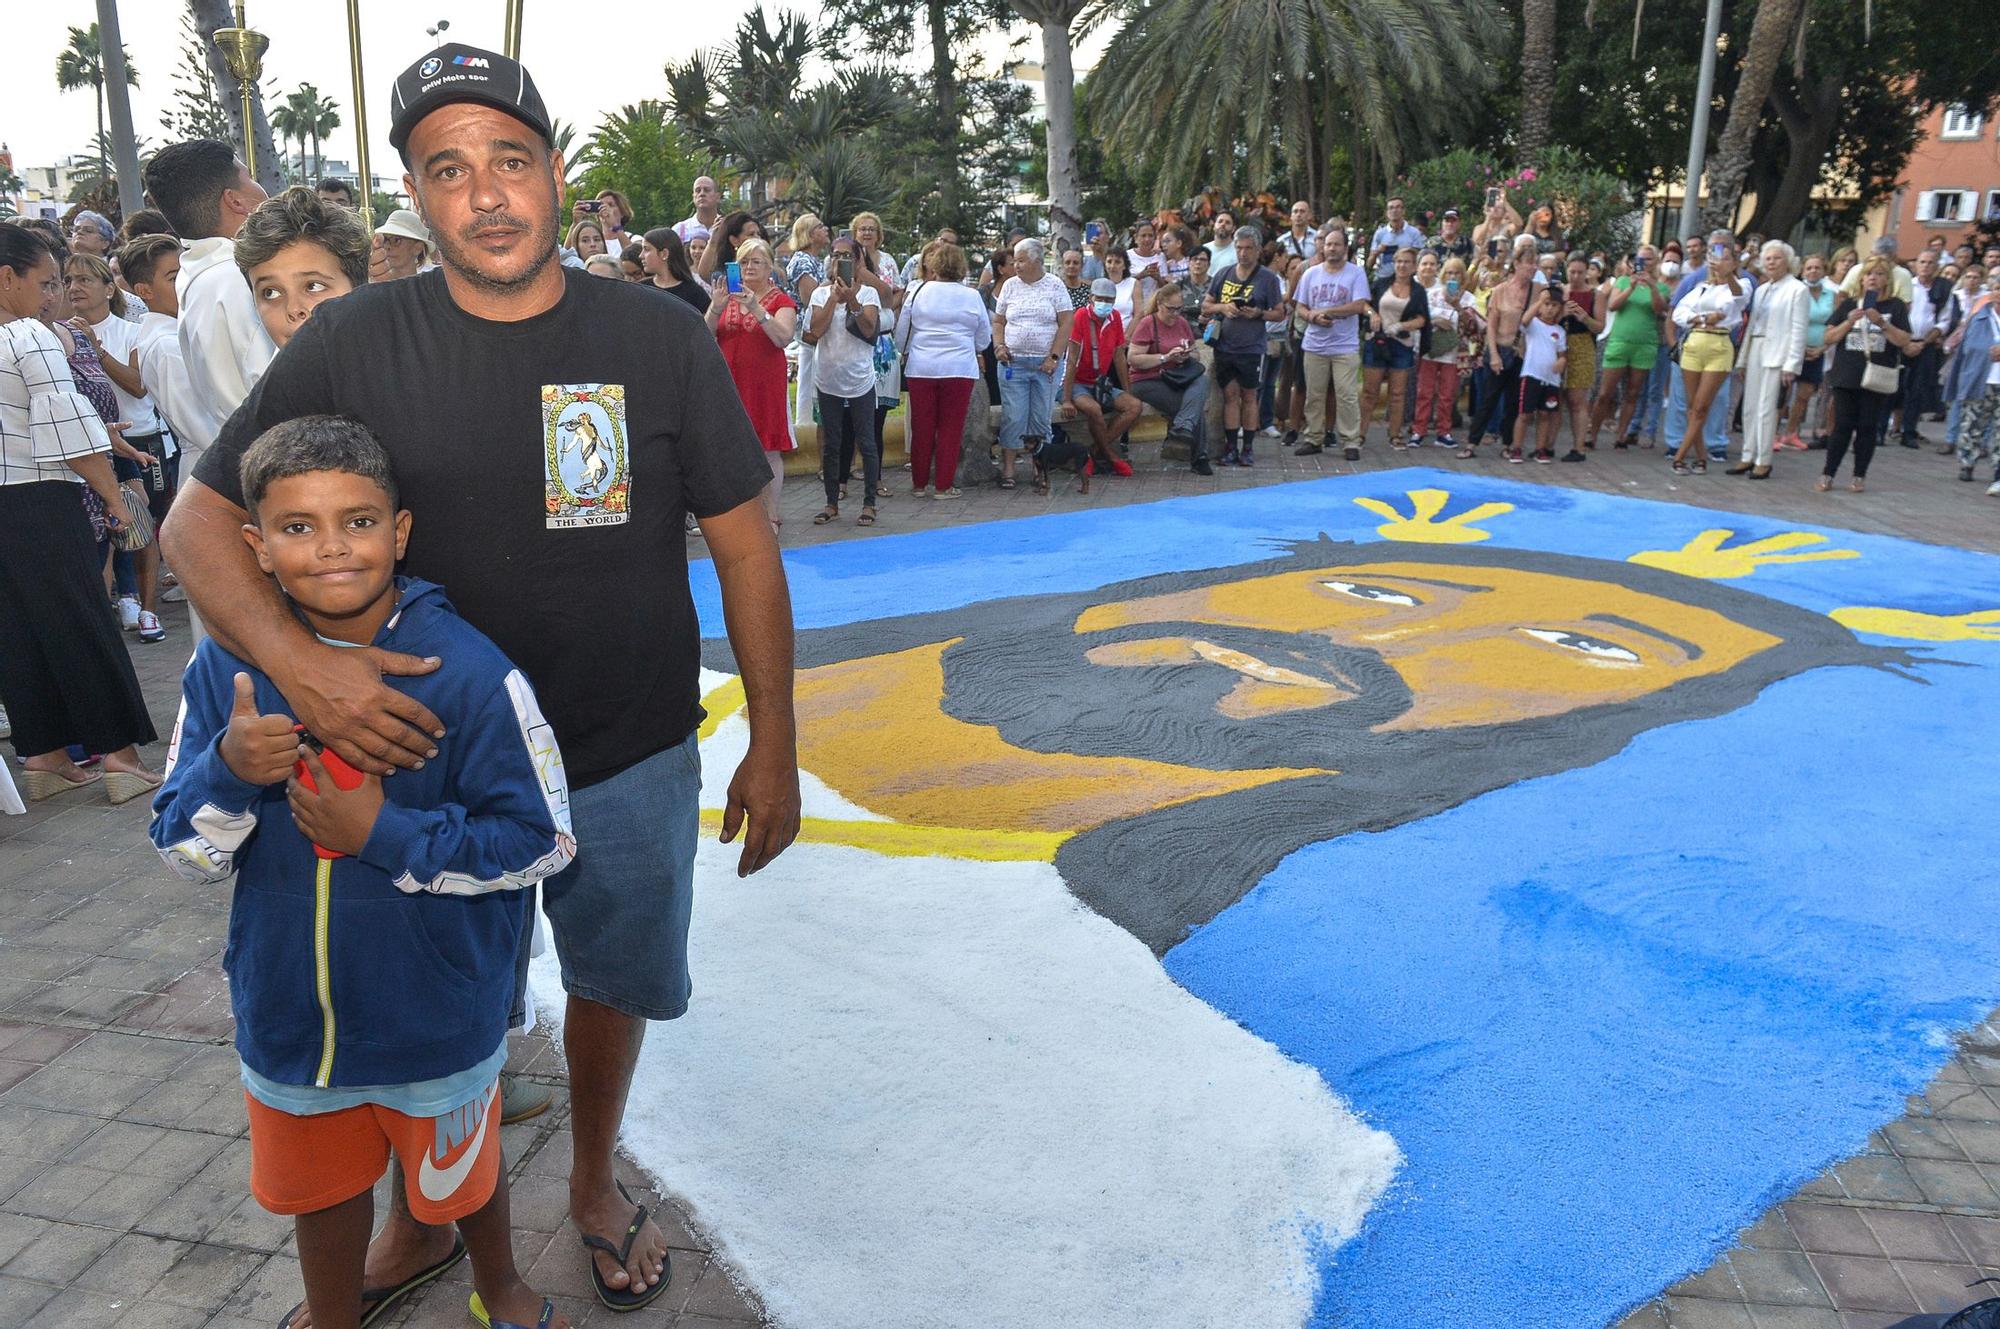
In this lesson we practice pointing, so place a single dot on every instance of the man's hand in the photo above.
(257, 749)
(338, 693)
(332, 817)
(766, 790)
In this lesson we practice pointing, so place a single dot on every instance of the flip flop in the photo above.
(378, 1302)
(479, 1313)
(618, 1298)
(867, 517)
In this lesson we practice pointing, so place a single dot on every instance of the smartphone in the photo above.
(843, 269)
(1492, 195)
(733, 274)
(593, 206)
(1492, 249)
(1638, 262)
(1091, 230)
(1868, 299)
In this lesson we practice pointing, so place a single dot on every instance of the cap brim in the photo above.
(399, 134)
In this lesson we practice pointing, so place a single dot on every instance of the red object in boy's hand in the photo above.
(344, 777)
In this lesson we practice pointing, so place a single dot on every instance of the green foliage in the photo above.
(640, 152)
(196, 111)
(81, 65)
(1593, 207)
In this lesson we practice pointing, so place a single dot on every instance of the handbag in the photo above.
(137, 532)
(1881, 379)
(1179, 377)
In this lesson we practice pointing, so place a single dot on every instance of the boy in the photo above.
(1544, 349)
(374, 928)
(297, 250)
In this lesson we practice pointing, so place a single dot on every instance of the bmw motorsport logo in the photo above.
(429, 67)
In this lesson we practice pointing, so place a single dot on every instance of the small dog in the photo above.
(1057, 450)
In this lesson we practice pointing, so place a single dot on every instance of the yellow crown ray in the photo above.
(1422, 524)
(1710, 556)
(1914, 625)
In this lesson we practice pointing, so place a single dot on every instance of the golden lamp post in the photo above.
(243, 53)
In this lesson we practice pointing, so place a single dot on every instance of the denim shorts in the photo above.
(620, 910)
(1394, 355)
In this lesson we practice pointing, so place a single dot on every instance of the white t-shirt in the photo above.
(120, 338)
(843, 364)
(1443, 314)
(691, 228)
(1031, 313)
(1127, 289)
(1542, 343)
(942, 327)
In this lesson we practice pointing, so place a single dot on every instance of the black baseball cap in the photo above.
(458, 73)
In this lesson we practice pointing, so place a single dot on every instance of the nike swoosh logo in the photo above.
(439, 1184)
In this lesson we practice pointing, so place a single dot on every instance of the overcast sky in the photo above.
(585, 57)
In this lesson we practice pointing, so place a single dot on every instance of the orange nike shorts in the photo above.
(300, 1165)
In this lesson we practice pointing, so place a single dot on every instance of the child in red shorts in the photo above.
(374, 927)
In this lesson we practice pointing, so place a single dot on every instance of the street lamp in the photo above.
(434, 33)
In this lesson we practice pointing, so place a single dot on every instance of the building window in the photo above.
(1946, 207)
(1993, 205)
(1962, 123)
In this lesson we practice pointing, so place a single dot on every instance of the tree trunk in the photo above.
(99, 85)
(208, 16)
(1538, 78)
(1810, 128)
(944, 91)
(1770, 36)
(1059, 96)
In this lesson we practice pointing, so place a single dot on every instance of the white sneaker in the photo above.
(6, 725)
(149, 627)
(128, 613)
(1268, 431)
(173, 595)
(1993, 490)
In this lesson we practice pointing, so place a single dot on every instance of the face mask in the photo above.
(1101, 308)
(1451, 286)
(1670, 269)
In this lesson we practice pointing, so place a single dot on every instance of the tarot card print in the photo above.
(585, 461)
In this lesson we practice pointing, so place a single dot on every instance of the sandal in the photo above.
(1824, 483)
(486, 1320)
(1467, 451)
(47, 784)
(378, 1302)
(1857, 485)
(867, 517)
(1007, 482)
(619, 1298)
(825, 515)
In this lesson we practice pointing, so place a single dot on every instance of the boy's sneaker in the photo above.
(149, 627)
(1244, 458)
(1444, 441)
(1993, 490)
(128, 613)
(1351, 453)
(1269, 431)
(1571, 455)
(1543, 456)
(1514, 457)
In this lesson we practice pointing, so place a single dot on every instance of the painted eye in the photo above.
(1376, 594)
(1595, 648)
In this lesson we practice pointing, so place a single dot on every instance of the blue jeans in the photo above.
(620, 910)
(1027, 396)
(1715, 430)
(1646, 420)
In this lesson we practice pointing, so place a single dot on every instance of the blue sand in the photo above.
(1609, 1015)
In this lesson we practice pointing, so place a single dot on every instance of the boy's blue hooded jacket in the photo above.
(396, 965)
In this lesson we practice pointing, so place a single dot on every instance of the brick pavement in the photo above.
(122, 1149)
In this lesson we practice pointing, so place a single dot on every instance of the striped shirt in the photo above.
(44, 420)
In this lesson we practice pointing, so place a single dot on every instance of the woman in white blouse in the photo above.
(941, 329)
(64, 675)
(1707, 316)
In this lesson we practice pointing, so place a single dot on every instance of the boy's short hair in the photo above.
(139, 259)
(186, 181)
(314, 443)
(146, 221)
(300, 214)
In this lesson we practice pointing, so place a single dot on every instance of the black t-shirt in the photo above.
(548, 467)
(1864, 342)
(690, 291)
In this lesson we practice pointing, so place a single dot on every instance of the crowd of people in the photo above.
(310, 422)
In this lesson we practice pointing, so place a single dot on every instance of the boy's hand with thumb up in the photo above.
(258, 749)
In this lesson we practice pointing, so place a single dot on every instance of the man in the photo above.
(1933, 317)
(91, 233)
(1715, 433)
(336, 191)
(1300, 242)
(707, 211)
(1096, 244)
(402, 247)
(539, 549)
(1450, 242)
(1222, 249)
(1506, 312)
(1901, 287)
(1334, 294)
(205, 192)
(1242, 296)
(1393, 234)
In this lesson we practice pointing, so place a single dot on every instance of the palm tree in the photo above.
(292, 124)
(1770, 34)
(322, 117)
(1281, 88)
(1538, 78)
(81, 64)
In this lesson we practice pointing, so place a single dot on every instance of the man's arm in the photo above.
(337, 693)
(757, 608)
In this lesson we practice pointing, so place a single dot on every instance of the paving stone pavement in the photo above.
(123, 1157)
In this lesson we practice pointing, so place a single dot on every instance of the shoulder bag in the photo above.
(1881, 379)
(1179, 377)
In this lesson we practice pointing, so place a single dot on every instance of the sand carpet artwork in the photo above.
(1397, 900)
